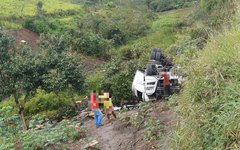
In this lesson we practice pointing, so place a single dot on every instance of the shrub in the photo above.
(54, 42)
(50, 105)
(92, 44)
(153, 130)
(93, 81)
(118, 80)
(43, 25)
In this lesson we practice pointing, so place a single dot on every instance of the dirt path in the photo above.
(121, 135)
(116, 135)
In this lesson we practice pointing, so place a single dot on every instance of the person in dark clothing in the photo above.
(166, 83)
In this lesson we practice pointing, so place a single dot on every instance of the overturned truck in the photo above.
(148, 83)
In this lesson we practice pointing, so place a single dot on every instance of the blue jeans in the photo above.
(97, 117)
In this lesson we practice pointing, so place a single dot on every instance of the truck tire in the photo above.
(153, 55)
(150, 71)
(158, 56)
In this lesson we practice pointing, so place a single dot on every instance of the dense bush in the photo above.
(117, 25)
(49, 104)
(55, 42)
(43, 25)
(91, 44)
(93, 81)
(118, 79)
(209, 106)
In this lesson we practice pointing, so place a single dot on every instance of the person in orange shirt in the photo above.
(94, 105)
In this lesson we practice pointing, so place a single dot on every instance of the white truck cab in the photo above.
(148, 84)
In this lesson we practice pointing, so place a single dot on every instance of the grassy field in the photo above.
(16, 8)
(12, 25)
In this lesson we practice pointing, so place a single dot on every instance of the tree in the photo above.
(23, 72)
(20, 73)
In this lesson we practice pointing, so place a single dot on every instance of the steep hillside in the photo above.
(209, 103)
(76, 46)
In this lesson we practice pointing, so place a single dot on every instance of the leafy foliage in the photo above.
(22, 72)
(33, 139)
(90, 44)
(153, 130)
(65, 131)
(50, 105)
(43, 25)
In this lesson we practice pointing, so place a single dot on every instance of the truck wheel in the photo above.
(158, 56)
(149, 70)
(153, 55)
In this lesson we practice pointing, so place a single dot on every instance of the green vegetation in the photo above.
(51, 105)
(24, 8)
(217, 12)
(165, 5)
(209, 104)
(12, 136)
(40, 86)
(23, 72)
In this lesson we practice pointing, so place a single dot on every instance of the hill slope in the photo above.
(209, 105)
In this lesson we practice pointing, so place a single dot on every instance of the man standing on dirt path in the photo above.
(94, 105)
(166, 83)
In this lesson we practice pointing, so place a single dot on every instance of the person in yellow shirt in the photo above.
(108, 106)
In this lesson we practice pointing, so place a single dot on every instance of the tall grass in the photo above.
(209, 105)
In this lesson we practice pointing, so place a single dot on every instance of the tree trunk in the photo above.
(21, 115)
(20, 112)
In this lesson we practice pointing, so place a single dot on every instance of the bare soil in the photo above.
(24, 34)
(120, 134)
